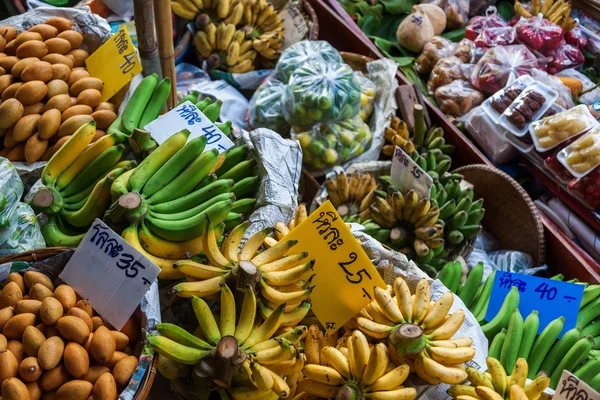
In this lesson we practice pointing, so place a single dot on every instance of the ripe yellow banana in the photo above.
(446, 374)
(422, 299)
(247, 315)
(199, 271)
(373, 329)
(388, 305)
(398, 394)
(447, 329)
(261, 376)
(450, 356)
(391, 380)
(323, 374)
(404, 298)
(199, 288)
(377, 364)
(439, 311)
(179, 10)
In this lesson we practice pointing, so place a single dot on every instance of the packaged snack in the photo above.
(436, 49)
(495, 105)
(266, 108)
(329, 144)
(301, 52)
(458, 98)
(529, 106)
(501, 65)
(481, 22)
(367, 95)
(538, 33)
(457, 12)
(25, 233)
(551, 131)
(587, 189)
(583, 155)
(492, 37)
(466, 51)
(564, 57)
(321, 92)
(11, 190)
(446, 71)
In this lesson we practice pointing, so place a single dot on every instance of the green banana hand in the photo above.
(137, 102)
(196, 197)
(156, 103)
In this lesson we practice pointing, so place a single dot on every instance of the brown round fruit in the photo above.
(124, 370)
(32, 48)
(79, 313)
(61, 71)
(39, 292)
(51, 352)
(76, 110)
(31, 92)
(28, 306)
(58, 45)
(24, 37)
(56, 87)
(73, 37)
(30, 369)
(105, 387)
(10, 295)
(85, 83)
(35, 148)
(8, 32)
(6, 313)
(104, 119)
(26, 127)
(97, 322)
(76, 360)
(48, 126)
(66, 295)
(32, 341)
(77, 74)
(45, 30)
(3, 342)
(54, 378)
(9, 367)
(61, 24)
(14, 389)
(51, 310)
(89, 97)
(15, 326)
(33, 277)
(85, 306)
(20, 66)
(105, 105)
(9, 62)
(37, 108)
(11, 91)
(103, 345)
(60, 102)
(58, 59)
(73, 328)
(39, 70)
(78, 56)
(75, 390)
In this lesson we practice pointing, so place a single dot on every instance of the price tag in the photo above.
(188, 116)
(344, 275)
(571, 388)
(407, 175)
(111, 274)
(115, 63)
(552, 299)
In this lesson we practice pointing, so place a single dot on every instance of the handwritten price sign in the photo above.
(552, 299)
(110, 273)
(188, 116)
(407, 175)
(115, 63)
(344, 275)
(571, 388)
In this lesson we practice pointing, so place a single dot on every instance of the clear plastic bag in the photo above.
(300, 53)
(439, 47)
(492, 37)
(266, 108)
(490, 136)
(481, 22)
(11, 190)
(552, 131)
(367, 95)
(329, 144)
(458, 98)
(457, 12)
(583, 155)
(446, 71)
(466, 51)
(319, 91)
(589, 97)
(25, 233)
(539, 34)
(564, 57)
(565, 99)
(500, 65)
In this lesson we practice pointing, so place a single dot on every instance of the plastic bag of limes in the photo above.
(302, 52)
(266, 108)
(367, 96)
(329, 144)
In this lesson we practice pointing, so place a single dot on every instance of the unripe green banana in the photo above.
(177, 352)
(458, 220)
(501, 319)
(181, 336)
(194, 210)
(497, 344)
(48, 201)
(233, 157)
(192, 96)
(240, 171)
(225, 127)
(473, 282)
(542, 345)
(156, 103)
(575, 356)
(201, 105)
(514, 335)
(244, 206)
(470, 231)
(196, 197)
(530, 329)
(588, 370)
(56, 238)
(213, 110)
(94, 207)
(480, 308)
(245, 187)
(232, 220)
(137, 102)
(588, 313)
(559, 350)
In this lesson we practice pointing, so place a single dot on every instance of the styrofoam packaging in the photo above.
(591, 157)
(525, 80)
(574, 115)
(549, 94)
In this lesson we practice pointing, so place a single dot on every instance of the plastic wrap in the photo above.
(560, 172)
(439, 47)
(577, 37)
(367, 95)
(466, 51)
(490, 136)
(565, 98)
(300, 53)
(481, 22)
(549, 132)
(458, 98)
(25, 233)
(446, 71)
(321, 92)
(492, 37)
(500, 65)
(11, 190)
(539, 33)
(328, 144)
(531, 105)
(564, 57)
(589, 97)
(457, 12)
(583, 155)
(587, 189)
(266, 108)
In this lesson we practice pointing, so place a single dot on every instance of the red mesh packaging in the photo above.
(539, 33)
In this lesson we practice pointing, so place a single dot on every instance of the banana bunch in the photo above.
(496, 385)
(589, 371)
(225, 47)
(557, 12)
(351, 197)
(419, 330)
(78, 178)
(397, 135)
(234, 352)
(280, 277)
(358, 370)
(282, 229)
(208, 10)
(263, 25)
(171, 195)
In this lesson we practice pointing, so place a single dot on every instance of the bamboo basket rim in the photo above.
(44, 253)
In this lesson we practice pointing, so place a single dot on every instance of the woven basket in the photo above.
(42, 254)
(510, 215)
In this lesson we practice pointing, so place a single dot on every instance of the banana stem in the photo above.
(227, 352)
(349, 392)
(246, 273)
(343, 210)
(420, 126)
(408, 339)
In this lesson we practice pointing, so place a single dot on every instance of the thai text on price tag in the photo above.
(188, 116)
(115, 63)
(552, 299)
(407, 175)
(344, 276)
(109, 273)
(572, 388)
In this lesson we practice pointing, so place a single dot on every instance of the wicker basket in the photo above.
(511, 217)
(42, 254)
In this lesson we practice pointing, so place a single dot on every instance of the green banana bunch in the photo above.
(435, 163)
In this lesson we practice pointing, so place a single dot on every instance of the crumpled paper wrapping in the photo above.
(95, 31)
(150, 312)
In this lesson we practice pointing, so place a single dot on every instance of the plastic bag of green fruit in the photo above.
(11, 189)
(367, 96)
(266, 108)
(24, 234)
(329, 144)
(321, 92)
(302, 52)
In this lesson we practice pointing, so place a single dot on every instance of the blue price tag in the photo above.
(552, 299)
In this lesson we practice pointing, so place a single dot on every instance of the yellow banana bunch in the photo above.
(557, 12)
(352, 196)
(263, 25)
(208, 10)
(419, 329)
(397, 135)
(357, 370)
(496, 385)
(225, 47)
(255, 359)
(282, 229)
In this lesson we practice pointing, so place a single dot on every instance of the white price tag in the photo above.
(188, 116)
(572, 388)
(109, 273)
(407, 175)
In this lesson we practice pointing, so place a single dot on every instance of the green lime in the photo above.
(316, 147)
(346, 138)
(314, 114)
(330, 156)
(325, 103)
(304, 139)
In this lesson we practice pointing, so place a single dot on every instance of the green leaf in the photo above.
(506, 9)
(403, 61)
(456, 35)
(362, 8)
(396, 7)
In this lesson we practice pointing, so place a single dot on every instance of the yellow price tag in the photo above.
(344, 275)
(115, 63)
